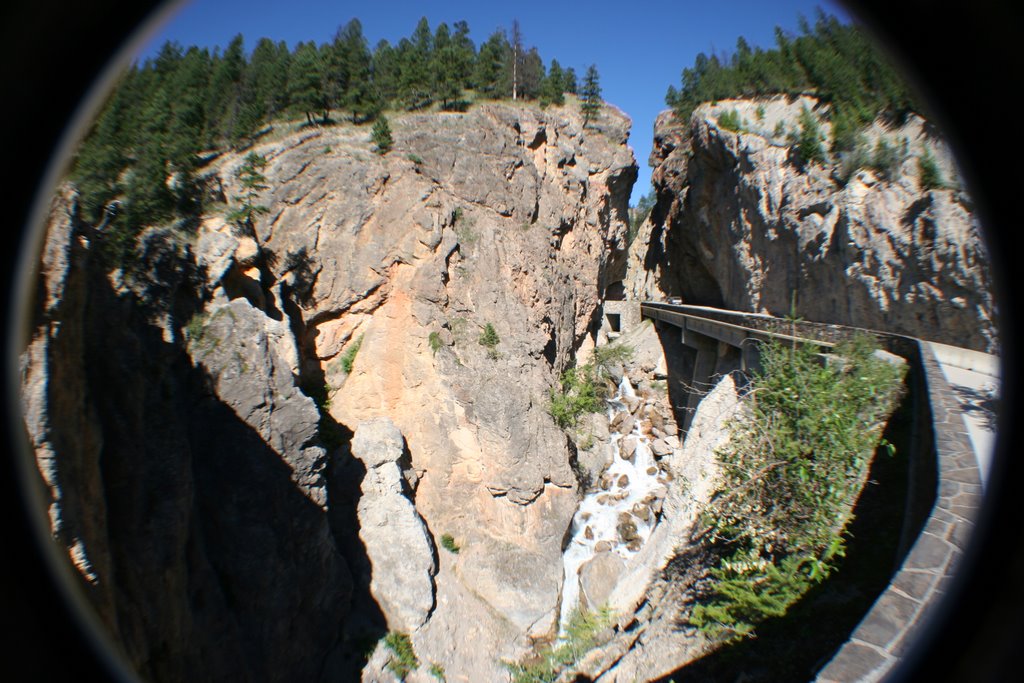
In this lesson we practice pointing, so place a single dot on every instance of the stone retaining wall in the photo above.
(886, 632)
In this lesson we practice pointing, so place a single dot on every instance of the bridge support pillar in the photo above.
(703, 368)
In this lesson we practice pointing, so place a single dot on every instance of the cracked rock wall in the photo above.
(503, 215)
(741, 225)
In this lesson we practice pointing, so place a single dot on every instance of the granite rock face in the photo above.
(250, 438)
(397, 542)
(505, 216)
(236, 347)
(740, 223)
(187, 495)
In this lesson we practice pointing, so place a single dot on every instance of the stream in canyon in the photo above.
(621, 511)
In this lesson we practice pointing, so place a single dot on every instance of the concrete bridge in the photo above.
(951, 392)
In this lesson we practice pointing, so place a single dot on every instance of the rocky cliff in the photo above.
(254, 440)
(187, 495)
(267, 446)
(740, 223)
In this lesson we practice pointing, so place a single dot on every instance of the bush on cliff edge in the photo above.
(790, 476)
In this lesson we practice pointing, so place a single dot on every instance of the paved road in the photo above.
(974, 378)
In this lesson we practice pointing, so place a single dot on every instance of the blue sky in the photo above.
(639, 46)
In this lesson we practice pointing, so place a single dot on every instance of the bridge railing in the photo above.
(942, 499)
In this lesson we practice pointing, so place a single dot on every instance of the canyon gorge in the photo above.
(265, 449)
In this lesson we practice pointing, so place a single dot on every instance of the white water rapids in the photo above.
(625, 497)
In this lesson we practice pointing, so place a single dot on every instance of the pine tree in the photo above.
(591, 95)
(100, 160)
(445, 68)
(415, 88)
(465, 54)
(570, 85)
(354, 70)
(552, 89)
(250, 177)
(304, 80)
(489, 74)
(809, 147)
(928, 174)
(267, 77)
(381, 136)
(489, 339)
(532, 75)
(187, 90)
(386, 71)
(222, 102)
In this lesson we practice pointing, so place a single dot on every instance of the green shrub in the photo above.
(583, 389)
(463, 228)
(856, 158)
(845, 131)
(434, 339)
(585, 443)
(252, 181)
(489, 338)
(195, 327)
(582, 634)
(449, 544)
(613, 354)
(928, 174)
(760, 112)
(808, 143)
(403, 659)
(414, 158)
(577, 393)
(730, 120)
(381, 136)
(349, 357)
(790, 475)
(437, 671)
(888, 158)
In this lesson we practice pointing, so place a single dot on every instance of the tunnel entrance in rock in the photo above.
(616, 291)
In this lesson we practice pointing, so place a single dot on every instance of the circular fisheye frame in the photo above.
(335, 350)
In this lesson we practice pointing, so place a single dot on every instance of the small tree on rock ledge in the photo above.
(489, 338)
(381, 136)
(252, 180)
(591, 95)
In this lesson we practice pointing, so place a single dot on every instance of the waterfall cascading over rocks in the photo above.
(615, 519)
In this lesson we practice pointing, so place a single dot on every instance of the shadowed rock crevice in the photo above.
(205, 557)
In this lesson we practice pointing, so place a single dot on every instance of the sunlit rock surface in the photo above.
(740, 224)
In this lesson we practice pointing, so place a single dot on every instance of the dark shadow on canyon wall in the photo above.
(212, 563)
(797, 646)
(679, 361)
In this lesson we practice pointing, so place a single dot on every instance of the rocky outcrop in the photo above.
(396, 540)
(238, 346)
(504, 216)
(187, 495)
(740, 224)
(228, 521)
